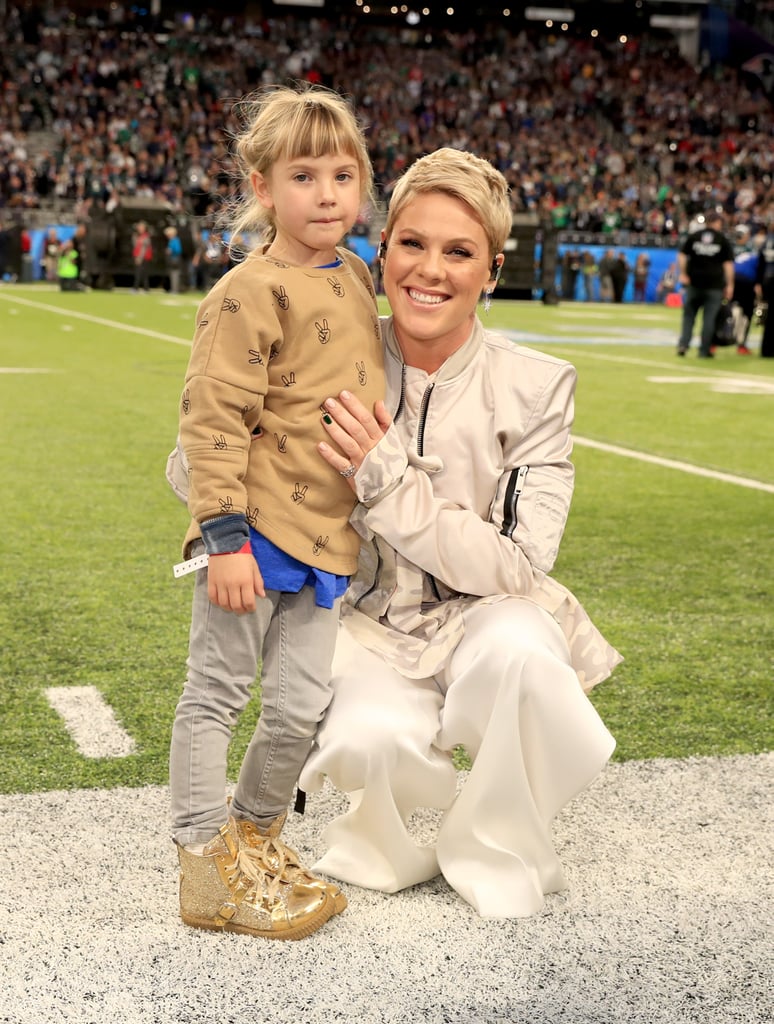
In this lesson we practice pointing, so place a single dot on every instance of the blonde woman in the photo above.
(453, 633)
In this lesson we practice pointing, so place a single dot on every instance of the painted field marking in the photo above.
(90, 721)
(102, 321)
(26, 369)
(683, 467)
(722, 384)
(675, 367)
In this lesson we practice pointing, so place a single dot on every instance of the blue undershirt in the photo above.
(280, 571)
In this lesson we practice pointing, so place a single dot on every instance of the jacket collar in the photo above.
(456, 362)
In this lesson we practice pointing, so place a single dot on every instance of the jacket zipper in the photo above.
(512, 492)
(420, 452)
(422, 420)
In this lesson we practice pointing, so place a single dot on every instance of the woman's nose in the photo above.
(431, 264)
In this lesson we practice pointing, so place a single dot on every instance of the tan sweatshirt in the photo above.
(272, 342)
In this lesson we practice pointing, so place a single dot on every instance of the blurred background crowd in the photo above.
(616, 138)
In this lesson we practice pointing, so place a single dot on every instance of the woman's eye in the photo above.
(461, 252)
(410, 243)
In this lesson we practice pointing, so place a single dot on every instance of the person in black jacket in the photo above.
(764, 290)
(706, 261)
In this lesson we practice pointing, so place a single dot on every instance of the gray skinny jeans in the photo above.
(294, 638)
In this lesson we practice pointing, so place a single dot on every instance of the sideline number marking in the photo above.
(90, 721)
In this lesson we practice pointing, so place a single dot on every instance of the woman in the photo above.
(453, 633)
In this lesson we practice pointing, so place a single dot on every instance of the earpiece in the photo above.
(497, 269)
(382, 249)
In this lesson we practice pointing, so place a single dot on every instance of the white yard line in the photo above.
(90, 721)
(113, 324)
(26, 369)
(683, 467)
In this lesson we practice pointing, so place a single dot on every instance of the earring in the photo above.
(487, 300)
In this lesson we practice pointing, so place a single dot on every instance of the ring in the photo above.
(349, 471)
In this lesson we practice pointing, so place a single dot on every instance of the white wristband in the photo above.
(192, 565)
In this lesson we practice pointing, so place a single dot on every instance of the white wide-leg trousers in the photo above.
(510, 696)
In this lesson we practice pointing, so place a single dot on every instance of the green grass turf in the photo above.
(675, 569)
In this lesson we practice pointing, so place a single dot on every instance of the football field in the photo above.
(669, 545)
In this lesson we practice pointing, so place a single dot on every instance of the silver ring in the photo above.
(349, 471)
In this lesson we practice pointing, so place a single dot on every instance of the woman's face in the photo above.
(436, 265)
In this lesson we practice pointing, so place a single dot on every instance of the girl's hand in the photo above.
(233, 581)
(354, 430)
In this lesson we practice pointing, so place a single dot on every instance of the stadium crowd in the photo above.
(597, 135)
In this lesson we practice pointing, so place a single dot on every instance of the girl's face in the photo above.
(315, 201)
(436, 265)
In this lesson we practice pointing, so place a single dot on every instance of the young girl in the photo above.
(279, 332)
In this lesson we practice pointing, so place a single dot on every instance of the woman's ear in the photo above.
(497, 268)
(262, 190)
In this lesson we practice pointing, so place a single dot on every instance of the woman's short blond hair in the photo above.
(283, 122)
(462, 175)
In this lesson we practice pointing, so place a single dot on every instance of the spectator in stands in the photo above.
(589, 276)
(706, 262)
(600, 137)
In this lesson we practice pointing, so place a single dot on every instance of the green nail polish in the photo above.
(327, 418)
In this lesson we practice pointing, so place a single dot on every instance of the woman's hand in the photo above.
(354, 430)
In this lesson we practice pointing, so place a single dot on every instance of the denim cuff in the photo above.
(225, 534)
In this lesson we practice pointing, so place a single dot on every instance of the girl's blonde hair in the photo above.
(469, 178)
(286, 123)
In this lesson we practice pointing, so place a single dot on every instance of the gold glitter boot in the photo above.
(234, 889)
(283, 859)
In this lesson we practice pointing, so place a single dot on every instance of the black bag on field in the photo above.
(725, 326)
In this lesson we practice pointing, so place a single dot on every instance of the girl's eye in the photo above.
(344, 176)
(301, 177)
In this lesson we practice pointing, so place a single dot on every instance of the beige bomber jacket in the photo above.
(465, 499)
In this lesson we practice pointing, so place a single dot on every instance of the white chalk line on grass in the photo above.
(683, 467)
(90, 721)
(26, 369)
(102, 321)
